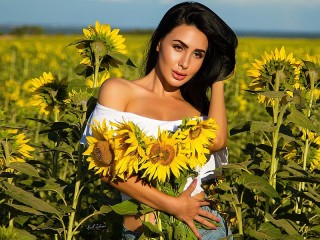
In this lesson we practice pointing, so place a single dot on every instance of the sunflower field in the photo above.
(49, 84)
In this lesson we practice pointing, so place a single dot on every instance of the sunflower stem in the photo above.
(55, 161)
(277, 121)
(237, 207)
(79, 182)
(38, 127)
(305, 153)
(159, 224)
(97, 63)
(6, 150)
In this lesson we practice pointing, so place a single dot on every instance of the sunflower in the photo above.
(20, 149)
(315, 162)
(48, 93)
(100, 41)
(309, 78)
(100, 150)
(163, 158)
(272, 72)
(112, 40)
(197, 135)
(130, 144)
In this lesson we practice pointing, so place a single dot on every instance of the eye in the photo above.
(178, 47)
(198, 54)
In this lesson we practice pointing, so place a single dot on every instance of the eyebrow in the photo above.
(186, 46)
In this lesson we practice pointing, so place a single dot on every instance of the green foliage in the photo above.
(275, 194)
(53, 195)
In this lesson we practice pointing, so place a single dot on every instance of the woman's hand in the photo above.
(189, 209)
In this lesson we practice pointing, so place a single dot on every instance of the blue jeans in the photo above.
(207, 234)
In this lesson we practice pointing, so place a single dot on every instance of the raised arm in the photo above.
(217, 110)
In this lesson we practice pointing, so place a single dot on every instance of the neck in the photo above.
(157, 84)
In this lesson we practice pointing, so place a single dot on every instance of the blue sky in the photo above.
(241, 15)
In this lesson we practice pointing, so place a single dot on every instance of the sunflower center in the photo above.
(154, 153)
(103, 154)
(163, 154)
(167, 155)
(195, 133)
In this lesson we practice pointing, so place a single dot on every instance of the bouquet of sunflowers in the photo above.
(118, 150)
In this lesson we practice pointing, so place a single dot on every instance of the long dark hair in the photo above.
(219, 61)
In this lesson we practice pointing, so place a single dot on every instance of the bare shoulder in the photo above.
(115, 93)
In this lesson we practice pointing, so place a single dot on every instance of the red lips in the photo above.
(178, 75)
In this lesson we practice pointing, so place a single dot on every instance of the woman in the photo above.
(190, 52)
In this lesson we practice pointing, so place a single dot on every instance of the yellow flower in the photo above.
(112, 40)
(102, 42)
(22, 147)
(242, 103)
(196, 136)
(11, 90)
(292, 154)
(310, 135)
(272, 72)
(100, 150)
(105, 76)
(130, 143)
(316, 94)
(317, 140)
(48, 93)
(19, 147)
(315, 164)
(163, 158)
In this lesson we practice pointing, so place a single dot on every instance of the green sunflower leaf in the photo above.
(283, 223)
(121, 58)
(273, 94)
(84, 41)
(301, 120)
(244, 127)
(257, 183)
(257, 126)
(29, 199)
(152, 227)
(126, 207)
(25, 209)
(24, 168)
(266, 231)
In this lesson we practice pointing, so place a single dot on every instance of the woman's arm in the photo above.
(184, 207)
(217, 110)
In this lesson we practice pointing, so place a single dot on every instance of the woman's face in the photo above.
(181, 53)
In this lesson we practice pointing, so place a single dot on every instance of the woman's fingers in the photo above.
(208, 215)
(191, 187)
(194, 229)
(205, 222)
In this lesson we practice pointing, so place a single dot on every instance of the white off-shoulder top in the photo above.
(151, 126)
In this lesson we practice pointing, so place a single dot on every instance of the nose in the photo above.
(184, 61)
